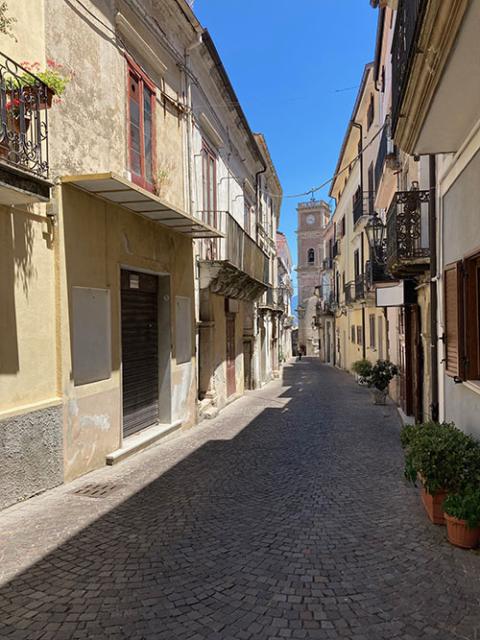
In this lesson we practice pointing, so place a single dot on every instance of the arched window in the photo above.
(311, 256)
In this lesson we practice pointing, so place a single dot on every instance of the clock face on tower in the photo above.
(310, 219)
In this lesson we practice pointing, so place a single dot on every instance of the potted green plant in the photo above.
(382, 373)
(362, 369)
(444, 459)
(462, 513)
(54, 77)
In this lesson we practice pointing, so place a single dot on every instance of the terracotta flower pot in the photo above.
(459, 534)
(32, 94)
(434, 505)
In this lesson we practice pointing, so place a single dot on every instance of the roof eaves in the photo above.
(358, 99)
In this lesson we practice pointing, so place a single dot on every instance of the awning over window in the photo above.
(124, 193)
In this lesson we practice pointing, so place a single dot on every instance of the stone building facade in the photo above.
(312, 222)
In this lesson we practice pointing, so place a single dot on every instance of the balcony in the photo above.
(387, 163)
(363, 204)
(360, 287)
(326, 304)
(275, 299)
(24, 101)
(376, 272)
(356, 290)
(408, 251)
(349, 292)
(234, 265)
(407, 26)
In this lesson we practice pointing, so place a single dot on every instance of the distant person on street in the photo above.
(301, 351)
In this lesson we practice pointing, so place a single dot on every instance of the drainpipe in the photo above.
(190, 171)
(360, 146)
(257, 191)
(432, 224)
(188, 86)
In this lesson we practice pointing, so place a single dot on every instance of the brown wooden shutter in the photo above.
(454, 326)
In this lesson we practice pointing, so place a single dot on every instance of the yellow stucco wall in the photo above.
(27, 310)
(99, 239)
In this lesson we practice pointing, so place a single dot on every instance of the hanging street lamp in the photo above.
(375, 230)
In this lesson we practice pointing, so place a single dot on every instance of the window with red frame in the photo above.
(141, 101)
(209, 183)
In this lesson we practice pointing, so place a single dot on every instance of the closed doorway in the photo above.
(139, 309)
(230, 353)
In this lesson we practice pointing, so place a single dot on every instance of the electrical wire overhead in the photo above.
(313, 190)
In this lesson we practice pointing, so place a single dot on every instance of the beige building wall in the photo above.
(50, 428)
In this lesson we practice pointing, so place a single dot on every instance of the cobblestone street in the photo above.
(285, 517)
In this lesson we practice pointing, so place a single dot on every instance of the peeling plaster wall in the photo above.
(30, 454)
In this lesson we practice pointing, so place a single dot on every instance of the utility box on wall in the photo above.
(91, 339)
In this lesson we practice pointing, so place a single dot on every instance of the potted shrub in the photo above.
(382, 373)
(362, 369)
(444, 459)
(462, 513)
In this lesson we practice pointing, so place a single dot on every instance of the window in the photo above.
(455, 320)
(371, 189)
(359, 335)
(462, 318)
(353, 333)
(356, 263)
(141, 102)
(209, 183)
(371, 111)
(311, 256)
(372, 330)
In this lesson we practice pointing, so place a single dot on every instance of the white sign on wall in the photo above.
(391, 296)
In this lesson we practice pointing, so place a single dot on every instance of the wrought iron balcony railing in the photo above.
(237, 248)
(274, 298)
(408, 251)
(376, 272)
(349, 291)
(325, 305)
(363, 204)
(407, 27)
(24, 100)
(387, 153)
(360, 287)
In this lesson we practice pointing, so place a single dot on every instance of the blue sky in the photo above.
(296, 67)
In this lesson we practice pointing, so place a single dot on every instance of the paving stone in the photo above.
(286, 516)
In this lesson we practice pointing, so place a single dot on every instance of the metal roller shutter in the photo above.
(139, 350)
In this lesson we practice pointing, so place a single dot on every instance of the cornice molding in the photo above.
(439, 29)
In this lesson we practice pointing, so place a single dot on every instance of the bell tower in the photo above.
(313, 217)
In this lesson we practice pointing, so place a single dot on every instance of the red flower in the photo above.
(15, 103)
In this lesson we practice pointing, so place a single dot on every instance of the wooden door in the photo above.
(139, 308)
(416, 356)
(230, 353)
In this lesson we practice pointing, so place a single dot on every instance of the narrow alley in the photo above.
(287, 516)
